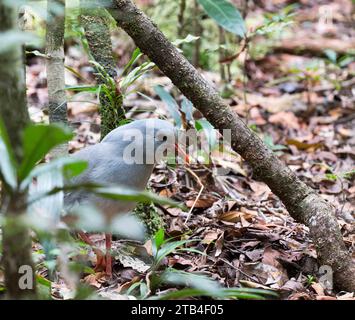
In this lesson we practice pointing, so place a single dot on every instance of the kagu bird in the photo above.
(125, 157)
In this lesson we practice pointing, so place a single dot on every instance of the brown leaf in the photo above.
(210, 236)
(317, 287)
(326, 298)
(95, 280)
(303, 145)
(286, 119)
(201, 203)
(165, 193)
(231, 216)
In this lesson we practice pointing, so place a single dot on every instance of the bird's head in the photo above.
(145, 141)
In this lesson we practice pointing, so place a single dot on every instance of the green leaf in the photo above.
(135, 56)
(135, 74)
(38, 141)
(114, 193)
(76, 73)
(226, 15)
(187, 107)
(7, 160)
(349, 175)
(93, 89)
(159, 238)
(171, 104)
(209, 131)
(168, 248)
(331, 55)
(203, 286)
(189, 38)
(186, 293)
(91, 219)
(331, 176)
(122, 193)
(69, 166)
(14, 38)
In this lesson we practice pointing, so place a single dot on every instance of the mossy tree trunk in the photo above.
(303, 203)
(97, 32)
(55, 66)
(17, 245)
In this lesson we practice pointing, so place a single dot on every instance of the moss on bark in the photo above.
(97, 33)
(13, 111)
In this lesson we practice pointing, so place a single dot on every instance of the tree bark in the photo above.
(16, 239)
(55, 66)
(303, 203)
(97, 33)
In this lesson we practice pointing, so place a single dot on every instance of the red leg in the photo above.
(108, 237)
(100, 257)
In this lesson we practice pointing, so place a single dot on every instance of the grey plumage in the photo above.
(109, 163)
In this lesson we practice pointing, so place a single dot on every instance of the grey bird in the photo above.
(125, 157)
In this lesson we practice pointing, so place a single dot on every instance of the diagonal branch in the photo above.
(303, 203)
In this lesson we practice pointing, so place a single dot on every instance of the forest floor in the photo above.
(300, 105)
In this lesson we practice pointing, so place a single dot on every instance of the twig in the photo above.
(198, 195)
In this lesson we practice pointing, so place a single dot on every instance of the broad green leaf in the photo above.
(158, 239)
(91, 219)
(114, 193)
(171, 104)
(226, 15)
(14, 38)
(168, 248)
(7, 160)
(186, 293)
(203, 286)
(38, 141)
(69, 166)
(122, 193)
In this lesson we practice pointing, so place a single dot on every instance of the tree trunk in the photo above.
(303, 203)
(97, 33)
(55, 66)
(13, 111)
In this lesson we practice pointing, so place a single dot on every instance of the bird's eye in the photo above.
(165, 138)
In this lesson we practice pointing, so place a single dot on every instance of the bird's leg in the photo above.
(108, 237)
(100, 257)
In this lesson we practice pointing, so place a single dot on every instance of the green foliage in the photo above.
(226, 15)
(331, 176)
(163, 247)
(208, 130)
(310, 279)
(171, 104)
(339, 62)
(274, 147)
(38, 140)
(274, 23)
(188, 39)
(14, 38)
(7, 160)
(197, 285)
